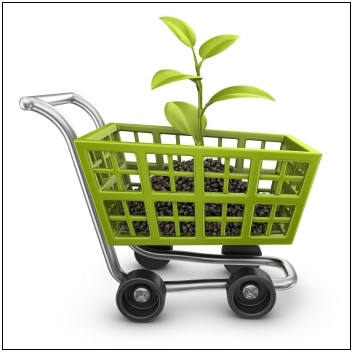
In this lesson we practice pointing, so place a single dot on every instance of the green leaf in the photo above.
(184, 117)
(216, 45)
(181, 29)
(169, 76)
(239, 92)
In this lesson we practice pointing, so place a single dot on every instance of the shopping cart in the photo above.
(115, 165)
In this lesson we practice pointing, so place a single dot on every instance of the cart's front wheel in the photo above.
(151, 263)
(250, 292)
(141, 296)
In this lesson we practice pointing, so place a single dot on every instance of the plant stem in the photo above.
(200, 110)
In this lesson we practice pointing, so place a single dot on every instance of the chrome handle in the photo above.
(52, 99)
(43, 104)
(29, 103)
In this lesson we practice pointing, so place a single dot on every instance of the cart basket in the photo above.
(121, 162)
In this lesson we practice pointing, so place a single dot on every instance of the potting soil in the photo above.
(186, 184)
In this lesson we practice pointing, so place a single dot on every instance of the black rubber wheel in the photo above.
(150, 263)
(250, 292)
(141, 296)
(240, 250)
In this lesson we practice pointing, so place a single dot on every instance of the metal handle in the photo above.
(29, 103)
(44, 105)
(52, 99)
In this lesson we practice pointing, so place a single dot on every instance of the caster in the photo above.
(151, 263)
(240, 250)
(141, 296)
(250, 292)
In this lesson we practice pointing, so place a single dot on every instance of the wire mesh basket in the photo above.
(122, 161)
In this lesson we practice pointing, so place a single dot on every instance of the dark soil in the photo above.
(186, 184)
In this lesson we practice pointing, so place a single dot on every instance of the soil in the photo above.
(186, 184)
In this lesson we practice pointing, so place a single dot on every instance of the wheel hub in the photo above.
(141, 294)
(250, 291)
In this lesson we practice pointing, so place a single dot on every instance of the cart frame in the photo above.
(45, 105)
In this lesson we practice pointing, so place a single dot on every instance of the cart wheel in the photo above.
(151, 263)
(250, 292)
(141, 296)
(240, 250)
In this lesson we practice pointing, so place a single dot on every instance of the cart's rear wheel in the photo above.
(240, 250)
(151, 263)
(250, 292)
(141, 296)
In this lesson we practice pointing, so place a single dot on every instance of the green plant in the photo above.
(183, 116)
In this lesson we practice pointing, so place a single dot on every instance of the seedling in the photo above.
(185, 117)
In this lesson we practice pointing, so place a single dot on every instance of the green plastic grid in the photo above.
(118, 161)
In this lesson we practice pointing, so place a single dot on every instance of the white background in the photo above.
(57, 290)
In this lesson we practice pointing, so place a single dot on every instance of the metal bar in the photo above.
(89, 108)
(175, 286)
(54, 99)
(284, 283)
(42, 105)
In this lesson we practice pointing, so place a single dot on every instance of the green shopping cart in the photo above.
(117, 166)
